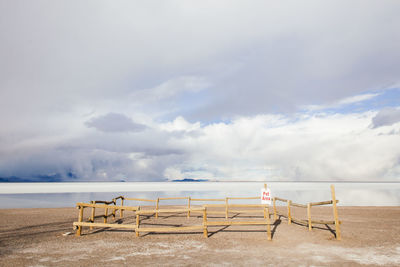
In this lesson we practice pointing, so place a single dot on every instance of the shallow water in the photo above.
(43, 195)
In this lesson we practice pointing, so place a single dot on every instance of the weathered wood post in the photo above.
(137, 223)
(80, 218)
(289, 216)
(226, 208)
(205, 232)
(335, 213)
(269, 236)
(188, 213)
(121, 212)
(275, 213)
(105, 214)
(93, 214)
(114, 210)
(157, 203)
(309, 216)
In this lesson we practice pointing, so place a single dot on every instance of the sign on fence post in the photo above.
(266, 196)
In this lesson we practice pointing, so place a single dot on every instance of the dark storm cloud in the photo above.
(114, 122)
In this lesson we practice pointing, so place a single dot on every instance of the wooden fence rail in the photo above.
(206, 210)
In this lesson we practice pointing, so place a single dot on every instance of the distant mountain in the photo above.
(191, 180)
(42, 178)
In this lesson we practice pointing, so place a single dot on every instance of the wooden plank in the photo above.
(103, 202)
(281, 199)
(141, 212)
(288, 212)
(137, 224)
(93, 215)
(106, 206)
(209, 212)
(121, 211)
(109, 225)
(243, 197)
(323, 203)
(298, 205)
(140, 199)
(246, 211)
(207, 199)
(247, 205)
(172, 198)
(216, 223)
(105, 215)
(169, 229)
(275, 212)
(335, 213)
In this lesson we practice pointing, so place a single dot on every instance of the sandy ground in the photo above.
(34, 237)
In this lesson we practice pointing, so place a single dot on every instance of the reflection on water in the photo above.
(349, 194)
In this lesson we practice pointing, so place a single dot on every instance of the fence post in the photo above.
(269, 236)
(93, 214)
(188, 214)
(226, 208)
(114, 210)
(205, 232)
(80, 218)
(105, 215)
(157, 202)
(335, 213)
(137, 223)
(309, 216)
(275, 215)
(289, 216)
(121, 212)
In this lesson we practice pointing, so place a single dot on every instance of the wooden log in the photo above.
(335, 213)
(309, 217)
(205, 230)
(109, 225)
(289, 216)
(275, 212)
(170, 229)
(80, 218)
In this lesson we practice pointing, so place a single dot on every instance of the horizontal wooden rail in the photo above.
(323, 203)
(111, 225)
(281, 199)
(170, 229)
(103, 202)
(140, 199)
(106, 206)
(216, 223)
(119, 197)
(235, 205)
(298, 205)
(207, 199)
(243, 197)
(172, 198)
(141, 212)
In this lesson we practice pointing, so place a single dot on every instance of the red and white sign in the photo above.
(266, 196)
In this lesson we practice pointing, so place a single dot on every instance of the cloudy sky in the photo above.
(219, 90)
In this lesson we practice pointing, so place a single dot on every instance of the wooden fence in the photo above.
(205, 209)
